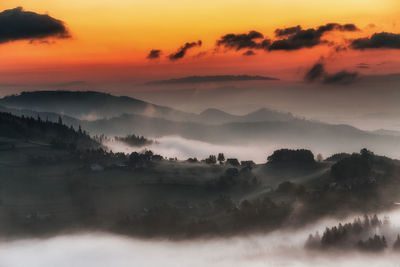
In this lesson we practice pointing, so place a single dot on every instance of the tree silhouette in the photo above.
(221, 158)
(396, 244)
(211, 159)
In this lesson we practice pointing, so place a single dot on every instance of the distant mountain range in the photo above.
(89, 105)
(85, 104)
(213, 78)
(125, 115)
(325, 138)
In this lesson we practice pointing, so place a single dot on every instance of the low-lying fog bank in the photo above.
(182, 149)
(101, 250)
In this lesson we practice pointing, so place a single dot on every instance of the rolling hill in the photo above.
(125, 115)
(90, 105)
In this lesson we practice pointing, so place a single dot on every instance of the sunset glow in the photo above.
(109, 35)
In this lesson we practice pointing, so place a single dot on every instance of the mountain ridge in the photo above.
(92, 105)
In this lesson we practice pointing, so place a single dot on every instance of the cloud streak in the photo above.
(287, 31)
(317, 73)
(154, 54)
(18, 24)
(286, 39)
(183, 50)
(341, 77)
(297, 38)
(250, 40)
(383, 40)
(249, 53)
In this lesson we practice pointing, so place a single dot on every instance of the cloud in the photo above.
(317, 73)
(182, 148)
(182, 50)
(154, 54)
(213, 78)
(298, 38)
(302, 39)
(18, 24)
(341, 77)
(249, 53)
(244, 41)
(378, 40)
(287, 31)
(338, 27)
(288, 39)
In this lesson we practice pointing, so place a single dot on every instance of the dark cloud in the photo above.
(18, 24)
(341, 77)
(376, 41)
(302, 39)
(249, 53)
(153, 54)
(287, 31)
(298, 38)
(244, 41)
(337, 27)
(182, 51)
(317, 73)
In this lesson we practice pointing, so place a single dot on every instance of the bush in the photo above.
(292, 156)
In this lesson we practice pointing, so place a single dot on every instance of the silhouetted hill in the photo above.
(216, 116)
(265, 114)
(262, 127)
(47, 116)
(36, 129)
(386, 132)
(317, 136)
(88, 105)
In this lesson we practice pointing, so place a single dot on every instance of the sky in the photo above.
(109, 41)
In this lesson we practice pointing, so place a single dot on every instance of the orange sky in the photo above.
(111, 38)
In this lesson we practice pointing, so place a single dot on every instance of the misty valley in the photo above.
(199, 133)
(139, 175)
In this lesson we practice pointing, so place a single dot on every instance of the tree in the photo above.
(353, 167)
(192, 160)
(221, 158)
(211, 159)
(60, 120)
(292, 156)
(313, 242)
(248, 163)
(233, 162)
(396, 244)
(320, 158)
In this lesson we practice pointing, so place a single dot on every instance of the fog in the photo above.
(182, 148)
(348, 104)
(281, 248)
